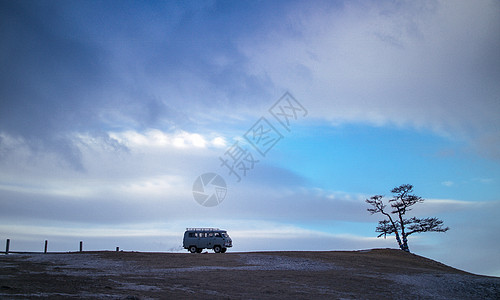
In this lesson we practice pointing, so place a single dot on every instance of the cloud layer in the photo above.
(431, 65)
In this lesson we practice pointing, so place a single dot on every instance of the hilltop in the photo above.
(367, 274)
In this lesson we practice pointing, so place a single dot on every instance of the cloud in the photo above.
(148, 176)
(471, 225)
(116, 158)
(428, 65)
(158, 138)
(69, 68)
(448, 183)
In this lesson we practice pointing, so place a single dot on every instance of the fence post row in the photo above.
(46, 247)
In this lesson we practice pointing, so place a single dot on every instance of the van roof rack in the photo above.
(202, 229)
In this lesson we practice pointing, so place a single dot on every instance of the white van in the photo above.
(197, 239)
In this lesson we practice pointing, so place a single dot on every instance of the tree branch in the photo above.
(426, 225)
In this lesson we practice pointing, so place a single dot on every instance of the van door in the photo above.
(210, 240)
(203, 240)
(218, 240)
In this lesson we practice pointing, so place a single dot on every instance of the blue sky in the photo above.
(109, 110)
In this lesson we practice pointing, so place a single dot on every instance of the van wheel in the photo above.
(223, 250)
(192, 249)
(217, 249)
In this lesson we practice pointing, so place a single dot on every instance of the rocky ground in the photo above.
(369, 274)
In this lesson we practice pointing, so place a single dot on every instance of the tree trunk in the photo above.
(405, 247)
(398, 239)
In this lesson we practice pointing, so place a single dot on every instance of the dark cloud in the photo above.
(93, 66)
(48, 79)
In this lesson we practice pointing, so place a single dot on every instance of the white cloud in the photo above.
(137, 165)
(448, 183)
(219, 142)
(484, 180)
(158, 138)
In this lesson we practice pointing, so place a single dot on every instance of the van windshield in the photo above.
(224, 234)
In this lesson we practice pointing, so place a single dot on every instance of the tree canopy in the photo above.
(395, 223)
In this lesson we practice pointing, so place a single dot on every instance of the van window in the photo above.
(192, 234)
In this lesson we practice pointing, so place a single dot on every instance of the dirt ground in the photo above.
(368, 274)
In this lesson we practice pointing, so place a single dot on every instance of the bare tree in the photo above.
(402, 201)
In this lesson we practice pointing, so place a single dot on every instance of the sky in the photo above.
(111, 110)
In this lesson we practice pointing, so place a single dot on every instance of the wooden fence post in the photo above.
(81, 246)
(7, 246)
(46, 244)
